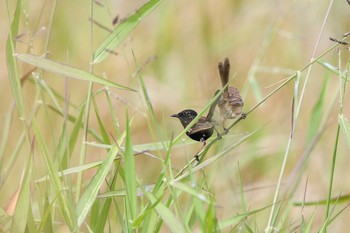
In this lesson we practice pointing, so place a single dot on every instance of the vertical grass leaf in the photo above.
(5, 134)
(165, 214)
(130, 174)
(88, 198)
(103, 130)
(12, 67)
(210, 223)
(317, 111)
(64, 205)
(19, 221)
(345, 127)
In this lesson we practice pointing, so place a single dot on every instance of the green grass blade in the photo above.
(64, 205)
(73, 137)
(342, 121)
(62, 148)
(199, 211)
(5, 132)
(66, 70)
(130, 175)
(342, 88)
(149, 217)
(104, 213)
(149, 103)
(31, 226)
(74, 170)
(241, 189)
(187, 189)
(112, 112)
(189, 219)
(317, 112)
(122, 192)
(42, 83)
(103, 131)
(210, 222)
(19, 221)
(5, 220)
(102, 218)
(238, 218)
(12, 67)
(123, 30)
(94, 214)
(73, 119)
(47, 220)
(165, 214)
(87, 199)
(332, 68)
(345, 127)
(335, 200)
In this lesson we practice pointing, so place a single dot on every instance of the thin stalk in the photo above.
(270, 225)
(331, 178)
(87, 110)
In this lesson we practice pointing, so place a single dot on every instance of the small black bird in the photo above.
(201, 130)
(230, 103)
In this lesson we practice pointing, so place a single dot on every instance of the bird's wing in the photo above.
(200, 126)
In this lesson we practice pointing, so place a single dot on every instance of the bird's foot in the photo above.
(226, 131)
(196, 157)
(219, 136)
(243, 115)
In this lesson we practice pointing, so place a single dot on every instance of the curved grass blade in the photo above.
(67, 71)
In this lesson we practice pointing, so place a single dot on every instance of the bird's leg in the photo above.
(202, 140)
(218, 134)
(216, 130)
(226, 131)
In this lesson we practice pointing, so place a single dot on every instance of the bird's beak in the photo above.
(175, 115)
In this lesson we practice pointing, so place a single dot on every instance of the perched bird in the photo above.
(230, 103)
(201, 130)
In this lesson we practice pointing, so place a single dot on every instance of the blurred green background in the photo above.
(266, 42)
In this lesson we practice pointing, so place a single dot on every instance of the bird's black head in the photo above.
(185, 116)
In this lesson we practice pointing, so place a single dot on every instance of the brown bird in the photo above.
(201, 130)
(230, 103)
